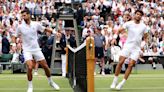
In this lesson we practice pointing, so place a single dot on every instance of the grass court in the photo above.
(142, 81)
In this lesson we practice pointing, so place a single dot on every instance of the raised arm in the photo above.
(14, 38)
(13, 43)
(43, 29)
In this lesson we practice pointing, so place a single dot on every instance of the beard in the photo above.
(26, 20)
(137, 19)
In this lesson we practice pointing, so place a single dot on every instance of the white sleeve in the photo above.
(125, 25)
(40, 27)
(18, 31)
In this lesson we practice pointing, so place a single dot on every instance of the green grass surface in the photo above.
(142, 81)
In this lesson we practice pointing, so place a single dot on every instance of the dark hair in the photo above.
(3, 33)
(98, 28)
(140, 11)
(11, 21)
(26, 10)
(129, 10)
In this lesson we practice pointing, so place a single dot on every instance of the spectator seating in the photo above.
(5, 60)
(146, 67)
(18, 68)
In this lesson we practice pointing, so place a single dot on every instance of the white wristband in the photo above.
(115, 36)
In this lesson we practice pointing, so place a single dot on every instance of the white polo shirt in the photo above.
(29, 35)
(135, 34)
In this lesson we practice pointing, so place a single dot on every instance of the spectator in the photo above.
(115, 51)
(84, 22)
(86, 30)
(5, 43)
(161, 43)
(38, 8)
(162, 50)
(49, 45)
(66, 39)
(103, 9)
(99, 49)
(31, 6)
(80, 14)
(154, 60)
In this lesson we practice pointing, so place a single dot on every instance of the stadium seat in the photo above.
(6, 57)
(1, 69)
(5, 60)
(18, 68)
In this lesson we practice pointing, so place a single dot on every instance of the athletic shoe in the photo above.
(119, 86)
(113, 86)
(114, 83)
(30, 89)
(54, 85)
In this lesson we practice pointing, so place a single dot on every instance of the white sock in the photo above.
(115, 79)
(36, 70)
(154, 64)
(123, 81)
(50, 79)
(30, 84)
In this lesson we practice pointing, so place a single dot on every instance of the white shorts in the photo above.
(130, 53)
(33, 55)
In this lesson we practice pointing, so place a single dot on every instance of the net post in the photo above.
(90, 57)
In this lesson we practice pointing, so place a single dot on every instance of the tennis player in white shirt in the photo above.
(136, 30)
(31, 50)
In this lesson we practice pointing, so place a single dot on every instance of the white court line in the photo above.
(97, 76)
(40, 76)
(133, 75)
(143, 88)
(62, 79)
(34, 89)
(146, 78)
(138, 88)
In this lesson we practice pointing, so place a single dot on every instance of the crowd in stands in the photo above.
(92, 16)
